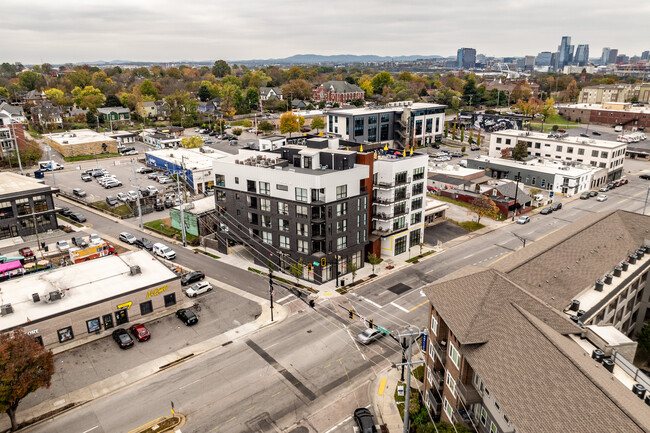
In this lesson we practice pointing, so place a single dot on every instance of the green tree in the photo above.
(317, 123)
(4, 92)
(483, 206)
(28, 80)
(367, 87)
(297, 89)
(548, 110)
(471, 95)
(453, 132)
(204, 92)
(520, 151)
(374, 260)
(462, 134)
(237, 131)
(297, 270)
(112, 101)
(251, 99)
(192, 142)
(229, 94)
(7, 71)
(80, 78)
(643, 338)
(353, 268)
(55, 96)
(478, 138)
(88, 98)
(381, 80)
(221, 68)
(446, 129)
(266, 127)
(289, 123)
(25, 366)
(247, 123)
(358, 102)
(147, 89)
(471, 137)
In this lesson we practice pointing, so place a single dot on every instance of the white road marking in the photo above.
(370, 302)
(467, 257)
(91, 429)
(399, 306)
(184, 386)
(284, 299)
(337, 425)
(356, 345)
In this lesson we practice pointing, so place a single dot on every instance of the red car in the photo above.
(140, 332)
(26, 252)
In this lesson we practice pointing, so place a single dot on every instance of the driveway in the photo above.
(443, 232)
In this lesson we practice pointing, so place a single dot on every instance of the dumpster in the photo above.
(38, 174)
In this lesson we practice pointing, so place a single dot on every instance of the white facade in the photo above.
(597, 153)
(399, 202)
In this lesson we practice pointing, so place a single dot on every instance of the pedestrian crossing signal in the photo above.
(351, 314)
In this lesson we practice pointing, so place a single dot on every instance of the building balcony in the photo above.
(390, 200)
(383, 216)
(465, 418)
(440, 350)
(386, 231)
(435, 401)
(468, 393)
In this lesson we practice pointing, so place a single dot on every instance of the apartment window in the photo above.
(429, 126)
(372, 134)
(236, 180)
(358, 127)
(581, 151)
(284, 242)
(493, 427)
(40, 204)
(604, 154)
(301, 194)
(6, 210)
(418, 188)
(558, 148)
(447, 408)
(418, 127)
(341, 226)
(414, 238)
(483, 416)
(543, 183)
(265, 188)
(265, 204)
(418, 173)
(266, 221)
(267, 238)
(280, 187)
(22, 206)
(283, 225)
(434, 325)
(498, 140)
(508, 141)
(250, 186)
(341, 209)
(437, 124)
(301, 211)
(416, 203)
(383, 134)
(594, 153)
(537, 145)
(220, 180)
(341, 192)
(399, 223)
(301, 229)
(400, 177)
(252, 202)
(451, 383)
(303, 246)
(385, 118)
(372, 120)
(220, 196)
(283, 208)
(341, 243)
(416, 218)
(454, 355)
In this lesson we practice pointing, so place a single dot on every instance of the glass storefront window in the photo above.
(65, 334)
(92, 325)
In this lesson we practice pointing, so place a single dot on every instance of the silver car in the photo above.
(198, 288)
(369, 335)
(62, 245)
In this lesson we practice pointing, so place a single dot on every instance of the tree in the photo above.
(382, 80)
(374, 260)
(80, 78)
(25, 366)
(204, 93)
(571, 92)
(147, 89)
(471, 137)
(353, 268)
(251, 99)
(297, 269)
(446, 129)
(643, 338)
(247, 123)
(28, 79)
(358, 102)
(506, 153)
(366, 85)
(462, 134)
(91, 120)
(483, 206)
(112, 101)
(520, 151)
(237, 131)
(548, 110)
(266, 127)
(453, 132)
(55, 96)
(88, 98)
(192, 142)
(221, 68)
(229, 95)
(478, 138)
(289, 123)
(317, 123)
(296, 89)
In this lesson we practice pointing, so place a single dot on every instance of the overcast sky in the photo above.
(35, 31)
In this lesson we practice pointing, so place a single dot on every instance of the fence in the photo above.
(630, 369)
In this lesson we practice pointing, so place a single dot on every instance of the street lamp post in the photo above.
(517, 178)
(49, 155)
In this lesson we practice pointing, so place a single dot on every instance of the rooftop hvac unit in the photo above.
(134, 270)
(617, 271)
(36, 297)
(6, 309)
(608, 364)
(598, 355)
(624, 265)
(647, 399)
(639, 390)
(640, 252)
(575, 305)
(53, 296)
(599, 286)
(609, 278)
(631, 259)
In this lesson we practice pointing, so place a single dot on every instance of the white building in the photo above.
(399, 201)
(609, 155)
(159, 140)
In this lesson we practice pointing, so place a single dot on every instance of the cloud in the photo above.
(167, 30)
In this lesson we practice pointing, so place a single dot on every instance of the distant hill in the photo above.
(337, 58)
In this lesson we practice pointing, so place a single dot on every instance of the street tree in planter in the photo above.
(471, 137)
(352, 267)
(25, 366)
(462, 134)
(266, 127)
(317, 123)
(446, 129)
(374, 260)
(297, 270)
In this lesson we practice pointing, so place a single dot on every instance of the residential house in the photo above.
(114, 114)
(11, 135)
(15, 112)
(47, 115)
(33, 97)
(155, 110)
(337, 91)
(270, 94)
(298, 104)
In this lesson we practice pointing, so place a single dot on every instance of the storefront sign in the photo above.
(157, 291)
(126, 305)
(32, 332)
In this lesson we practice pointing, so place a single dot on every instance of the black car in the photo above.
(122, 338)
(584, 196)
(363, 418)
(556, 206)
(584, 135)
(144, 243)
(596, 133)
(159, 206)
(79, 241)
(546, 211)
(111, 201)
(169, 203)
(593, 193)
(65, 211)
(77, 217)
(192, 277)
(645, 176)
(187, 316)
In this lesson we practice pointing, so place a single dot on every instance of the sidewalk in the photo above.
(132, 376)
(385, 409)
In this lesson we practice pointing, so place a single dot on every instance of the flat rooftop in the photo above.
(199, 206)
(82, 284)
(567, 140)
(79, 136)
(544, 167)
(193, 159)
(12, 183)
(629, 108)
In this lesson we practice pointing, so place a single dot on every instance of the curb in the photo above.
(181, 423)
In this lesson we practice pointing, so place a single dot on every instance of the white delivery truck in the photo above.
(164, 251)
(49, 166)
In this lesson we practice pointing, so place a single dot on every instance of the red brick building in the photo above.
(337, 91)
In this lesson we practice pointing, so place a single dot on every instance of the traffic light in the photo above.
(323, 262)
(351, 314)
(370, 324)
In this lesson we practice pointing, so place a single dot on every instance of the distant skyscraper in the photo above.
(645, 55)
(604, 58)
(613, 53)
(582, 55)
(543, 58)
(565, 52)
(529, 63)
(466, 58)
(622, 58)
(555, 60)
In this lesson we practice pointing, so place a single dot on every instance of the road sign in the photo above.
(424, 342)
(382, 330)
(316, 263)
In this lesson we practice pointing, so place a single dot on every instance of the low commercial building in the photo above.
(337, 92)
(89, 299)
(81, 142)
(608, 155)
(536, 343)
(627, 115)
(199, 215)
(114, 114)
(445, 176)
(26, 206)
(123, 138)
(560, 179)
(159, 140)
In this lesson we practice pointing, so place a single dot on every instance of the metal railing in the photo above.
(468, 393)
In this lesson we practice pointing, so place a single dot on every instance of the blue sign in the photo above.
(550, 194)
(424, 341)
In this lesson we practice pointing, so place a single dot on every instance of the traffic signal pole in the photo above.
(271, 291)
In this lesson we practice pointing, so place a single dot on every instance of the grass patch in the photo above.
(557, 119)
(470, 226)
(207, 253)
(168, 230)
(428, 253)
(418, 373)
(163, 426)
(121, 210)
(87, 157)
(257, 271)
(69, 221)
(451, 200)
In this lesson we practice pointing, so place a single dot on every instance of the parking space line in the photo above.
(399, 306)
(370, 302)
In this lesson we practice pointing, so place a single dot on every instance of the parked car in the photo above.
(191, 277)
(94, 238)
(122, 338)
(62, 245)
(152, 190)
(164, 251)
(596, 133)
(168, 203)
(86, 177)
(198, 288)
(65, 211)
(112, 184)
(79, 192)
(159, 206)
(140, 332)
(523, 219)
(111, 201)
(556, 206)
(645, 177)
(98, 173)
(78, 241)
(127, 237)
(152, 175)
(122, 197)
(546, 211)
(369, 335)
(457, 154)
(26, 252)
(187, 316)
(144, 243)
(624, 181)
(611, 185)
(144, 170)
(602, 197)
(475, 148)
(363, 418)
(584, 135)
(132, 195)
(593, 193)
(164, 180)
(77, 217)
(603, 188)
(584, 196)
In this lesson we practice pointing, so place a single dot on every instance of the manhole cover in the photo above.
(399, 288)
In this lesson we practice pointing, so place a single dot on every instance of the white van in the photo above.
(49, 166)
(164, 251)
(618, 128)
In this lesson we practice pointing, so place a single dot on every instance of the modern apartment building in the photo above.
(400, 124)
(466, 58)
(606, 93)
(565, 50)
(608, 155)
(523, 346)
(11, 135)
(581, 57)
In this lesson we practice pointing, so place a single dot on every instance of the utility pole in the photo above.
(137, 192)
(408, 363)
(336, 269)
(514, 212)
(49, 155)
(13, 130)
(646, 201)
(271, 291)
(181, 195)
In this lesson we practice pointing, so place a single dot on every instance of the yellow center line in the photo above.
(418, 306)
(277, 393)
(231, 419)
(327, 366)
(215, 428)
(349, 381)
(249, 409)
